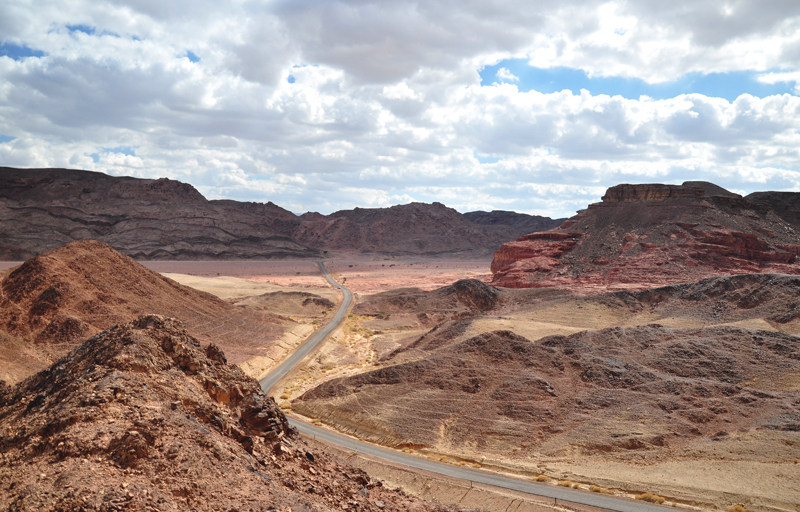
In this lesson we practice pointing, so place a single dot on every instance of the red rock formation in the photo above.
(643, 236)
(651, 192)
(143, 417)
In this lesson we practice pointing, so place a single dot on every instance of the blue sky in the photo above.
(324, 105)
(728, 85)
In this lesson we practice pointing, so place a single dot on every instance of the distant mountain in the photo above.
(521, 221)
(641, 236)
(41, 209)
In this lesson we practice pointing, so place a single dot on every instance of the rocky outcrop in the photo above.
(650, 192)
(537, 251)
(659, 388)
(142, 417)
(642, 236)
(41, 209)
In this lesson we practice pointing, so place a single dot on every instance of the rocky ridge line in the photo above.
(143, 417)
(41, 209)
(643, 236)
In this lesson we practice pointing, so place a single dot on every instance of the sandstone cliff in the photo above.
(643, 236)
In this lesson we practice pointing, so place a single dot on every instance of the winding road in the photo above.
(312, 342)
(482, 477)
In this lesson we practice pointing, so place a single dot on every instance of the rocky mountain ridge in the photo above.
(52, 302)
(142, 417)
(643, 236)
(41, 209)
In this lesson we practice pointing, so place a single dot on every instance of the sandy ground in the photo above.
(226, 287)
(374, 275)
(362, 274)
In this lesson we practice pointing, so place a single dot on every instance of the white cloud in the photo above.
(506, 75)
(386, 104)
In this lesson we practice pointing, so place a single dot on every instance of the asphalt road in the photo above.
(312, 342)
(482, 477)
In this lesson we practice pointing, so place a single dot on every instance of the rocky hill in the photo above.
(416, 228)
(641, 236)
(54, 301)
(41, 209)
(526, 394)
(142, 417)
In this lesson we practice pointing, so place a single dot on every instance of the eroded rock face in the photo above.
(643, 236)
(143, 417)
(650, 192)
(661, 389)
(41, 209)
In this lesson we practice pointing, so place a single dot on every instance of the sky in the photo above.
(322, 105)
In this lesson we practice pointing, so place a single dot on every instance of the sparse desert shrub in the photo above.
(285, 405)
(285, 396)
(565, 483)
(543, 478)
(576, 486)
(738, 508)
(601, 490)
(652, 498)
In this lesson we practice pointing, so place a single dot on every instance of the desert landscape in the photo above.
(620, 352)
(412, 256)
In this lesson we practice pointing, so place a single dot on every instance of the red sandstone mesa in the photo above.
(643, 236)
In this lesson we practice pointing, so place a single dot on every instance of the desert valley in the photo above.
(645, 348)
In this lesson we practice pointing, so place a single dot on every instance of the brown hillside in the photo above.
(642, 236)
(498, 391)
(141, 417)
(41, 209)
(53, 301)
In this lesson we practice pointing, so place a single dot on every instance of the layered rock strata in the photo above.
(642, 236)
(41, 209)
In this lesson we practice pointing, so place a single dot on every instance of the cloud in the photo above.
(506, 75)
(386, 103)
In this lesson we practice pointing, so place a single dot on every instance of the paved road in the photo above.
(310, 344)
(482, 477)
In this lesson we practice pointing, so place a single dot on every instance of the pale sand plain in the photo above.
(259, 278)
